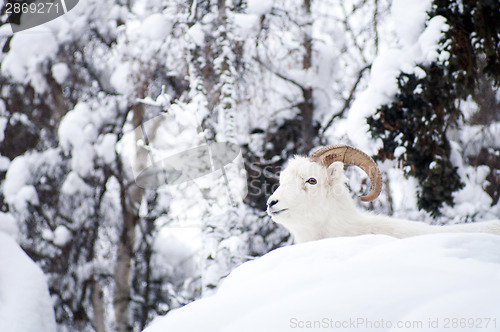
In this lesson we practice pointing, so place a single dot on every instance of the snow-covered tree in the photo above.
(69, 91)
(93, 101)
(442, 122)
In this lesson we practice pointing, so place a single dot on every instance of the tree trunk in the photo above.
(130, 199)
(98, 307)
(307, 106)
(307, 127)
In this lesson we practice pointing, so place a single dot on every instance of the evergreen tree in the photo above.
(427, 108)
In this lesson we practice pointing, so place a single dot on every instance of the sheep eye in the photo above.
(312, 181)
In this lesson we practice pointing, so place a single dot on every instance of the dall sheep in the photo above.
(312, 200)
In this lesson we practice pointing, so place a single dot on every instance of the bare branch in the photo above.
(275, 72)
(349, 30)
(348, 101)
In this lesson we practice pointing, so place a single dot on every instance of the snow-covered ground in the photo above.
(25, 303)
(442, 282)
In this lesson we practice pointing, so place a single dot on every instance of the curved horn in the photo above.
(353, 156)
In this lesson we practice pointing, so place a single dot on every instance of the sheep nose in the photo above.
(271, 203)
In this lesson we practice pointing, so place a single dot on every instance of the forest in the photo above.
(140, 140)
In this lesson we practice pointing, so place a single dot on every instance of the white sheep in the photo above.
(313, 202)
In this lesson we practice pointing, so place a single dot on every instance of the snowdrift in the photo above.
(375, 282)
(25, 303)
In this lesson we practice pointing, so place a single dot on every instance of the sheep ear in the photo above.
(336, 170)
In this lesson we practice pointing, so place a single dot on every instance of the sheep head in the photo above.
(353, 156)
(313, 189)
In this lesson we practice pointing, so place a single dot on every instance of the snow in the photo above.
(16, 189)
(8, 224)
(471, 201)
(418, 44)
(27, 194)
(76, 133)
(121, 79)
(25, 303)
(175, 249)
(404, 193)
(17, 176)
(399, 151)
(409, 18)
(156, 27)
(196, 33)
(18, 186)
(124, 50)
(60, 72)
(259, 7)
(3, 125)
(73, 184)
(428, 42)
(27, 50)
(359, 280)
(4, 163)
(106, 148)
(71, 126)
(472, 198)
(62, 236)
(246, 25)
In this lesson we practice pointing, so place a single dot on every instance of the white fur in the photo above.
(326, 209)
